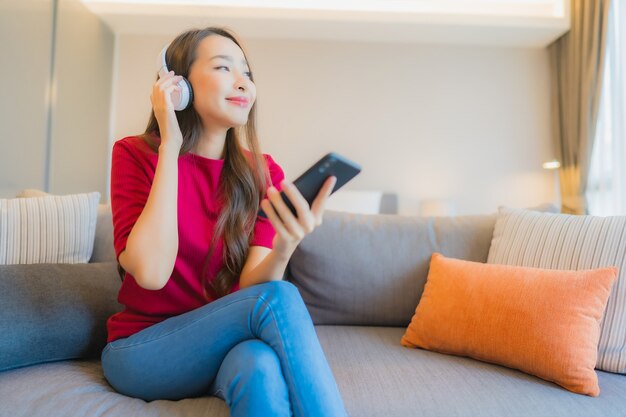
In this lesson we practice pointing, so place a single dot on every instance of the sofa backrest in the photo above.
(371, 269)
(103, 250)
(103, 246)
(359, 269)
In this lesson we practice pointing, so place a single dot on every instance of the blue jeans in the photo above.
(255, 348)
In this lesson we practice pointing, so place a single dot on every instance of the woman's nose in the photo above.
(241, 82)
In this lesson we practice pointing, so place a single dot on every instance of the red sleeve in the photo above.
(130, 187)
(263, 230)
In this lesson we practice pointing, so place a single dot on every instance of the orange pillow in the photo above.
(543, 322)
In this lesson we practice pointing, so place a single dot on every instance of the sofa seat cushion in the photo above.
(78, 389)
(378, 377)
(375, 374)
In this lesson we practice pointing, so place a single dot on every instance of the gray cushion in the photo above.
(371, 269)
(375, 375)
(53, 312)
(103, 250)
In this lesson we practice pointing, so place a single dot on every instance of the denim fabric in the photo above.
(256, 348)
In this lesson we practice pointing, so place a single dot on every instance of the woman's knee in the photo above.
(251, 381)
(256, 361)
(283, 291)
(281, 302)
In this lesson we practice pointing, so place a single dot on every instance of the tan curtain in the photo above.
(577, 65)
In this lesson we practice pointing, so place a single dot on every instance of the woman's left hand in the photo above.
(290, 230)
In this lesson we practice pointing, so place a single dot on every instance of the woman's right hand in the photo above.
(163, 108)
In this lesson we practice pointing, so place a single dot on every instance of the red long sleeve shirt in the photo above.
(133, 166)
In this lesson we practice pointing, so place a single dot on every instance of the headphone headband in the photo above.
(184, 99)
(162, 64)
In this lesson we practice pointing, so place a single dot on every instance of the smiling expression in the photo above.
(223, 89)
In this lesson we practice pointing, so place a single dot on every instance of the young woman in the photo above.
(206, 309)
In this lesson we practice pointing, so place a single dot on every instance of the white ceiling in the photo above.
(530, 23)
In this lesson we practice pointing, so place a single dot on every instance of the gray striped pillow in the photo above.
(562, 241)
(51, 229)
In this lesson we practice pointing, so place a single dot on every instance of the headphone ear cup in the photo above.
(186, 95)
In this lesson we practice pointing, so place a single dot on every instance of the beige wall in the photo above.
(66, 116)
(81, 111)
(467, 125)
(25, 47)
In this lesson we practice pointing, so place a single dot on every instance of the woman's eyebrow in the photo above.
(228, 58)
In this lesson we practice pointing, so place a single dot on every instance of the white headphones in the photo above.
(183, 100)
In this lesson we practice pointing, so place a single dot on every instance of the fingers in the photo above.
(288, 219)
(163, 88)
(167, 83)
(305, 218)
(164, 91)
(318, 205)
(273, 218)
(168, 78)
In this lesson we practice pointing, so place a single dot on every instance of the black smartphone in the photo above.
(310, 183)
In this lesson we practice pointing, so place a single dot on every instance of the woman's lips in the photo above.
(239, 102)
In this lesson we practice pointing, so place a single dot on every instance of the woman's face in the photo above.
(220, 78)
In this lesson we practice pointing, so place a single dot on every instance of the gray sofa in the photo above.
(361, 277)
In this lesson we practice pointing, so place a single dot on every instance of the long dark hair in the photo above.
(243, 180)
